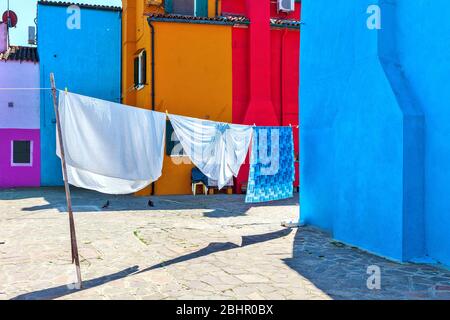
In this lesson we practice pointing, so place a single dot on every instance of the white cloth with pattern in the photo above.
(110, 147)
(218, 149)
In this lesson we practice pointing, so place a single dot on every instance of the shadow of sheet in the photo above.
(220, 247)
(61, 291)
(93, 202)
(243, 208)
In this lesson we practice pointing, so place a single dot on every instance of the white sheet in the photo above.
(218, 149)
(110, 147)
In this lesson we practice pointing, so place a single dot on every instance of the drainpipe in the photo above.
(217, 8)
(283, 37)
(152, 29)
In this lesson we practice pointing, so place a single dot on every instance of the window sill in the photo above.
(14, 165)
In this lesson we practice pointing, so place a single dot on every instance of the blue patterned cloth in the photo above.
(272, 171)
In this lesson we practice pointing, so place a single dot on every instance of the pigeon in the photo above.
(106, 205)
(150, 203)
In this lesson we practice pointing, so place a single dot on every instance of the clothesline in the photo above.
(167, 112)
(13, 89)
(117, 150)
(43, 89)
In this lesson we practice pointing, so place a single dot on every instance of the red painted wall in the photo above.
(283, 74)
(233, 7)
(238, 7)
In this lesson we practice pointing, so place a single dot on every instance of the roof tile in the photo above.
(226, 19)
(19, 53)
(81, 5)
(229, 19)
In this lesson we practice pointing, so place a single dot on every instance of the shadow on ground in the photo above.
(90, 201)
(215, 247)
(58, 292)
(342, 271)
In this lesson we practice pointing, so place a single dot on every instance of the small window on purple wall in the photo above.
(21, 153)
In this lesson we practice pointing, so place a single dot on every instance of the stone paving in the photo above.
(204, 247)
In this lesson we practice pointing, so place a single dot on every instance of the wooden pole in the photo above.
(73, 236)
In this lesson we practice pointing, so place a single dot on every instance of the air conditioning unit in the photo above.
(286, 5)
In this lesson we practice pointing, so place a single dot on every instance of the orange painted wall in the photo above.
(193, 78)
(193, 68)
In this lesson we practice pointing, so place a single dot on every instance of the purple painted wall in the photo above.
(19, 176)
(25, 112)
(3, 37)
(19, 120)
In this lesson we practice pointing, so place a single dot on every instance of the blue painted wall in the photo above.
(86, 61)
(375, 157)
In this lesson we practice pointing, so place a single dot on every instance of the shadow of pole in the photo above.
(220, 247)
(61, 291)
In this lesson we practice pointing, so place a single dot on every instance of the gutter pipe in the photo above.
(152, 29)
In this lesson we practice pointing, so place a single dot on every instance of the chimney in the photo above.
(32, 35)
(260, 110)
(3, 37)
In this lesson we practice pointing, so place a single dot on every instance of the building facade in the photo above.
(81, 45)
(19, 115)
(228, 60)
(374, 141)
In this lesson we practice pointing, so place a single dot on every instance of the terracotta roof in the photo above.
(18, 53)
(81, 5)
(227, 20)
(283, 23)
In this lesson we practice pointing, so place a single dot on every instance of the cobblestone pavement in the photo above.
(204, 247)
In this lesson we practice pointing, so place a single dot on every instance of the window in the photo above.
(198, 8)
(140, 70)
(21, 153)
(186, 7)
(173, 145)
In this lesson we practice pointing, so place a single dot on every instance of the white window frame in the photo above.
(13, 164)
(141, 76)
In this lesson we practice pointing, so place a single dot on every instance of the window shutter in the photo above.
(136, 72)
(172, 142)
(143, 68)
(168, 6)
(169, 143)
(201, 8)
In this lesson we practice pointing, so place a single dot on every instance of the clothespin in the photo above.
(65, 90)
(254, 124)
(167, 113)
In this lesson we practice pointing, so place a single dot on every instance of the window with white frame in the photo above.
(21, 153)
(140, 69)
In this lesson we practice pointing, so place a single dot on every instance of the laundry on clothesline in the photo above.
(272, 172)
(117, 149)
(108, 147)
(218, 149)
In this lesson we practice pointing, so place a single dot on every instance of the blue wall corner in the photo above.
(372, 125)
(86, 61)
